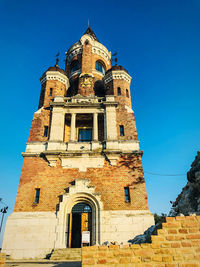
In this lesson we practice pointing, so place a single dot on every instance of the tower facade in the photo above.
(82, 170)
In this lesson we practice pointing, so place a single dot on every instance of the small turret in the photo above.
(54, 82)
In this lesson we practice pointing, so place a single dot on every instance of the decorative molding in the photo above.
(98, 73)
(77, 72)
(55, 75)
(117, 75)
(97, 48)
(74, 50)
(100, 50)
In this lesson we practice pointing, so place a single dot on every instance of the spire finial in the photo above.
(57, 59)
(88, 23)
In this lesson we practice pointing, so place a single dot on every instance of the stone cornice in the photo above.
(117, 75)
(55, 75)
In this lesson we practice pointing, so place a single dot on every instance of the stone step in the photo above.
(71, 254)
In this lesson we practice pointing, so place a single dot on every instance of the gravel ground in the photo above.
(43, 264)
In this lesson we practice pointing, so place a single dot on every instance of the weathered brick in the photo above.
(189, 224)
(157, 258)
(175, 245)
(155, 238)
(193, 236)
(172, 231)
(171, 225)
(186, 244)
(167, 258)
(170, 219)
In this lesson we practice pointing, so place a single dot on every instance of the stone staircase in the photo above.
(66, 254)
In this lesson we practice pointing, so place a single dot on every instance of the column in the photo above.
(95, 127)
(111, 123)
(73, 127)
(57, 124)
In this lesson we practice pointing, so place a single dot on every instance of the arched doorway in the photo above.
(80, 222)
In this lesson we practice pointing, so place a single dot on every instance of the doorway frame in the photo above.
(80, 191)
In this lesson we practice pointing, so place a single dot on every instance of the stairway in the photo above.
(66, 254)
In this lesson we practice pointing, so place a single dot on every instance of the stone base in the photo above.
(33, 234)
(122, 225)
(29, 234)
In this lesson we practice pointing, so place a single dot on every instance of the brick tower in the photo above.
(82, 175)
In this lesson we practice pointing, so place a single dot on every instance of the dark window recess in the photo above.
(46, 131)
(127, 194)
(85, 135)
(37, 195)
(127, 94)
(99, 88)
(81, 208)
(99, 66)
(51, 92)
(121, 127)
(118, 90)
(74, 66)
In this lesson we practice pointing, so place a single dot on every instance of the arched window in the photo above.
(118, 90)
(127, 94)
(100, 67)
(74, 66)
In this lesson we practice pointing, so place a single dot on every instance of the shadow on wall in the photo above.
(68, 264)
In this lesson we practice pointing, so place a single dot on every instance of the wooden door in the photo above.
(84, 222)
(70, 230)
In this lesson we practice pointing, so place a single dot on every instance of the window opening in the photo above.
(121, 127)
(118, 90)
(46, 131)
(81, 208)
(75, 66)
(85, 135)
(51, 91)
(127, 94)
(99, 66)
(37, 195)
(127, 194)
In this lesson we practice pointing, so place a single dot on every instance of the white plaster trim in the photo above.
(123, 145)
(36, 147)
(82, 162)
(94, 71)
(129, 110)
(118, 75)
(39, 110)
(55, 75)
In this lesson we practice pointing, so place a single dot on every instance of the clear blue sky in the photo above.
(157, 41)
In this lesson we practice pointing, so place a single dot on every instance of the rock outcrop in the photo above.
(188, 201)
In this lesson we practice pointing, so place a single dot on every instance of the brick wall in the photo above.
(40, 120)
(127, 119)
(109, 181)
(58, 89)
(177, 244)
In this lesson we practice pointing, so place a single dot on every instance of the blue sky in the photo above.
(157, 41)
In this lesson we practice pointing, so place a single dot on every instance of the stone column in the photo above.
(57, 125)
(95, 127)
(111, 123)
(73, 127)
